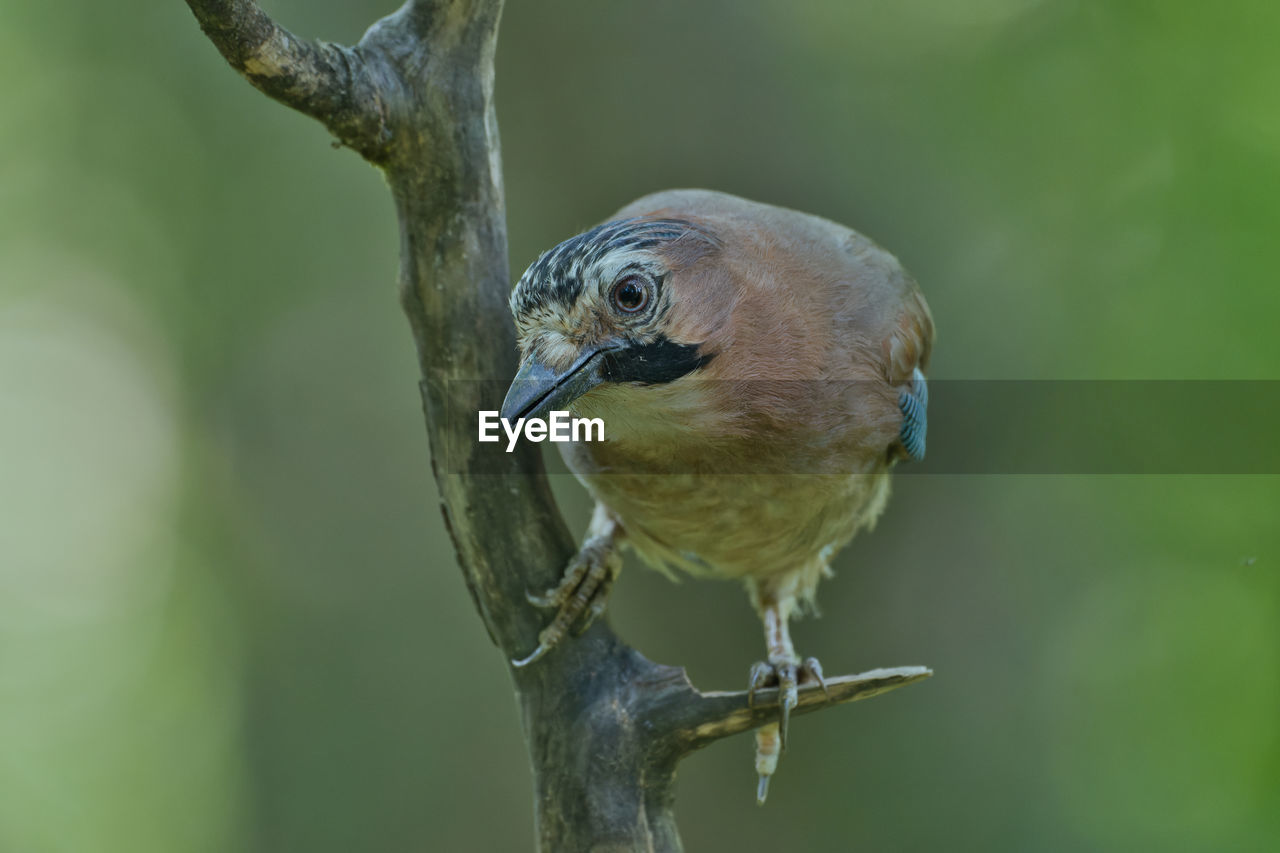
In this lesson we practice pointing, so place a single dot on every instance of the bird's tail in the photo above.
(768, 746)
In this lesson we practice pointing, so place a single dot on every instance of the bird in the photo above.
(759, 372)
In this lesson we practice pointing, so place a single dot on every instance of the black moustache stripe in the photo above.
(654, 363)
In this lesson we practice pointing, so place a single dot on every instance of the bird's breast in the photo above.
(742, 524)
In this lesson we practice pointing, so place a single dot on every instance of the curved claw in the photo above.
(788, 698)
(594, 612)
(541, 650)
(760, 676)
(811, 670)
(557, 596)
(541, 601)
(785, 677)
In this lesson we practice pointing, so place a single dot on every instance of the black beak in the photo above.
(538, 390)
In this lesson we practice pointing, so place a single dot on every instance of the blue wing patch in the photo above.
(914, 402)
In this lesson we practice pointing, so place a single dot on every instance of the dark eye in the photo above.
(630, 295)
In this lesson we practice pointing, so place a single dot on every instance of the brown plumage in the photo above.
(753, 403)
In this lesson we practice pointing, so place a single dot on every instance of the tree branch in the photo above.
(325, 81)
(716, 715)
(605, 727)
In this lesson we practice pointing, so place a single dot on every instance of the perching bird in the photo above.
(758, 372)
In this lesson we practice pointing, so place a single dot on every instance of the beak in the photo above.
(538, 390)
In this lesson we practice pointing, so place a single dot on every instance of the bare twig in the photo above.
(719, 714)
(605, 726)
(325, 81)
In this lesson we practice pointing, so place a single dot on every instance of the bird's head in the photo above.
(610, 316)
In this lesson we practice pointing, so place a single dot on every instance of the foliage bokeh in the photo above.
(229, 615)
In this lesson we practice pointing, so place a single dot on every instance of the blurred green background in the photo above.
(230, 619)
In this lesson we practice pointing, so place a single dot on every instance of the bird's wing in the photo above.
(914, 402)
(908, 354)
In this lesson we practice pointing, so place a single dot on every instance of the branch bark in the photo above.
(605, 727)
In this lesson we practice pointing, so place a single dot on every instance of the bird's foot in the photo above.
(771, 740)
(580, 597)
(788, 676)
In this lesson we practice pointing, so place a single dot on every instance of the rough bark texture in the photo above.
(605, 727)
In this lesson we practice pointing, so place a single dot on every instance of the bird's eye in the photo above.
(630, 295)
